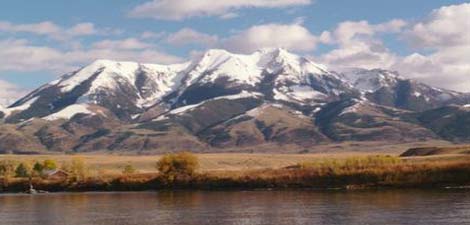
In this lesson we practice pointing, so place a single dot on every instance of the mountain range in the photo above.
(224, 101)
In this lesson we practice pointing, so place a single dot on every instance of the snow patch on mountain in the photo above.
(129, 89)
(220, 63)
(304, 92)
(22, 107)
(280, 96)
(371, 80)
(256, 111)
(112, 74)
(243, 94)
(69, 112)
(358, 104)
(249, 69)
(167, 80)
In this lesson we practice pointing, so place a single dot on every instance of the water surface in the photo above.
(412, 207)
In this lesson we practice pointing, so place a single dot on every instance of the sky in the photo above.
(427, 40)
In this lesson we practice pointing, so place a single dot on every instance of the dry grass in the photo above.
(262, 171)
(351, 172)
(114, 164)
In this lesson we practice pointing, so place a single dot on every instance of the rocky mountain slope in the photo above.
(2, 114)
(222, 100)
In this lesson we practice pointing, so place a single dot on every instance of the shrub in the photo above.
(351, 164)
(77, 169)
(7, 168)
(37, 169)
(23, 170)
(49, 164)
(179, 165)
(129, 169)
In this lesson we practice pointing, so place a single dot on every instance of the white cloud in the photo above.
(358, 46)
(181, 9)
(293, 37)
(82, 29)
(43, 28)
(20, 55)
(447, 68)
(83, 57)
(189, 36)
(446, 32)
(326, 38)
(10, 93)
(127, 44)
(350, 31)
(367, 55)
(392, 26)
(54, 31)
(152, 35)
(444, 27)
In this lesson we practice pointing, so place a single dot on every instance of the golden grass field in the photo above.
(114, 164)
(208, 162)
(243, 170)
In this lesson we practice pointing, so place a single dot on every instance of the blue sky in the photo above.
(44, 39)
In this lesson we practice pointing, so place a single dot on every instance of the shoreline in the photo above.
(136, 184)
(319, 190)
(353, 172)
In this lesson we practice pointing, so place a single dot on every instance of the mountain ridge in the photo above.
(223, 100)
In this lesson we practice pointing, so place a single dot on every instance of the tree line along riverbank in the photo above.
(181, 171)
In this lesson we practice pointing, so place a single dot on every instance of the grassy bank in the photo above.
(348, 172)
(114, 164)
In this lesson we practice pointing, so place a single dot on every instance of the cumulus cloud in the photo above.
(358, 45)
(21, 55)
(445, 27)
(392, 26)
(10, 93)
(127, 44)
(446, 32)
(54, 31)
(181, 9)
(442, 37)
(367, 55)
(189, 36)
(447, 68)
(82, 29)
(293, 37)
(43, 28)
(441, 41)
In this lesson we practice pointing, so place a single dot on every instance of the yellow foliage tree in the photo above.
(179, 165)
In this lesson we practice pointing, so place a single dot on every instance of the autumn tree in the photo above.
(49, 164)
(129, 169)
(179, 165)
(77, 169)
(23, 170)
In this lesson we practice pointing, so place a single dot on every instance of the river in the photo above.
(262, 207)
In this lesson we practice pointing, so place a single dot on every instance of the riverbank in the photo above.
(317, 172)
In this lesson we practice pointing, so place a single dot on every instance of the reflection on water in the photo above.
(238, 207)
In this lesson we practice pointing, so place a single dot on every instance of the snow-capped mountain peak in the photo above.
(371, 80)
(216, 63)
(249, 69)
(129, 89)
